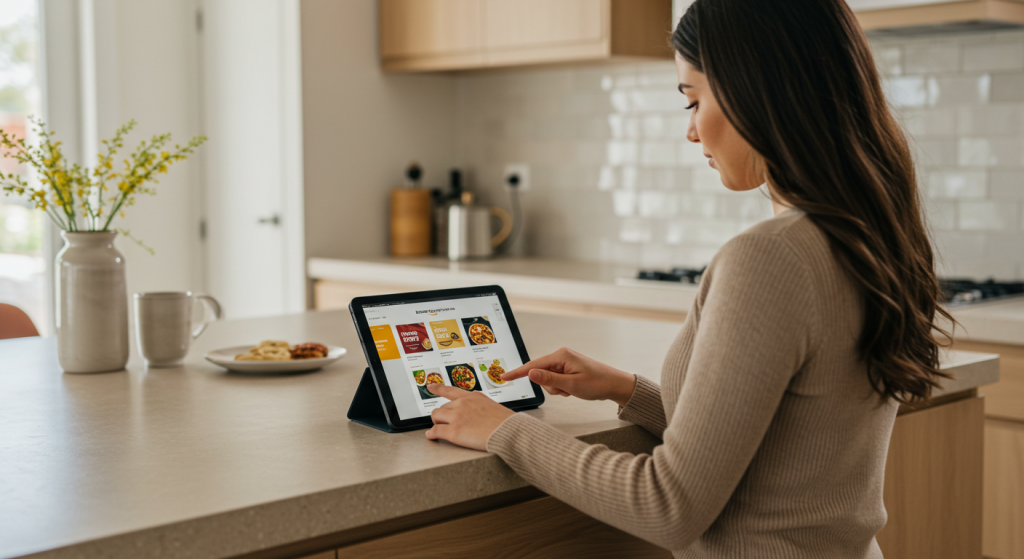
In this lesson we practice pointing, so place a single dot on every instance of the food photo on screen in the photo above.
(463, 376)
(491, 370)
(425, 376)
(479, 330)
(414, 338)
(446, 333)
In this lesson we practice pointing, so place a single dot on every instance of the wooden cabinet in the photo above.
(445, 32)
(441, 35)
(933, 483)
(1003, 502)
(1004, 489)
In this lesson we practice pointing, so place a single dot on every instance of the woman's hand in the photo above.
(567, 373)
(468, 419)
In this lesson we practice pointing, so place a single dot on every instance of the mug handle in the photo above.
(212, 306)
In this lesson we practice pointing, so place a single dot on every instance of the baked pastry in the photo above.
(310, 350)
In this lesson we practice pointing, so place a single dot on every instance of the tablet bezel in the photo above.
(380, 379)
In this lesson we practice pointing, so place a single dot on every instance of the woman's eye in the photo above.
(691, 106)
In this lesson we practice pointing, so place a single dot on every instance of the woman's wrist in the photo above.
(623, 388)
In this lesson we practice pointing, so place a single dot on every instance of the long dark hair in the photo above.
(797, 80)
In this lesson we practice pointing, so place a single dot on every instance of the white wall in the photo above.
(362, 127)
(146, 68)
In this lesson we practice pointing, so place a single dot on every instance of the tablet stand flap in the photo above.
(366, 407)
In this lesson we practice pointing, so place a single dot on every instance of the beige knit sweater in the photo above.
(774, 443)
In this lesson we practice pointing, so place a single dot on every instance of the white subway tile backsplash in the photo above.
(624, 202)
(658, 153)
(636, 231)
(929, 123)
(935, 152)
(946, 90)
(993, 56)
(1001, 247)
(930, 58)
(888, 60)
(909, 91)
(991, 120)
(706, 179)
(701, 205)
(617, 181)
(1007, 88)
(957, 184)
(991, 152)
(623, 152)
(990, 215)
(941, 215)
(692, 154)
(657, 204)
(1008, 184)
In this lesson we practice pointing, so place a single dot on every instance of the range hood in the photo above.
(921, 17)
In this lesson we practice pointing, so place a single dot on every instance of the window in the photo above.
(23, 254)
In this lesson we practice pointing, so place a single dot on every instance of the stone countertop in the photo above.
(552, 280)
(197, 462)
(605, 284)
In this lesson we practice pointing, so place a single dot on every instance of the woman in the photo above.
(781, 390)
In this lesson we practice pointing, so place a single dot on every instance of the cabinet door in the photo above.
(517, 24)
(1003, 537)
(419, 28)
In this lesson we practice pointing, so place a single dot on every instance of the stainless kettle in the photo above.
(470, 234)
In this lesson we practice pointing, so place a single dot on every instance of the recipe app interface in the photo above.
(464, 342)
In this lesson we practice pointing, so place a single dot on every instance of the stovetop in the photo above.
(955, 291)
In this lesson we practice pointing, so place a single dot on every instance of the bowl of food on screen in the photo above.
(276, 357)
(478, 329)
(493, 371)
(463, 376)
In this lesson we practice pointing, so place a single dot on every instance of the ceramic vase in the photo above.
(91, 304)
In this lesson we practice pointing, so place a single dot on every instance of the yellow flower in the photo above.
(163, 168)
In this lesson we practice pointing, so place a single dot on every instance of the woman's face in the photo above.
(725, 149)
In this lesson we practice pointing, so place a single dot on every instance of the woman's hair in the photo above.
(797, 79)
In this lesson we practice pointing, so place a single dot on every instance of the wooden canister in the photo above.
(411, 214)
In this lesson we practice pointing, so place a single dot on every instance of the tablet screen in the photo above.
(464, 342)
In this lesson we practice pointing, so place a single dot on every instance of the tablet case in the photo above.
(366, 407)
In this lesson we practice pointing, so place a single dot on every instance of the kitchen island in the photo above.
(197, 462)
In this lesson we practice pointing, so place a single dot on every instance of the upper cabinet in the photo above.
(445, 35)
(937, 16)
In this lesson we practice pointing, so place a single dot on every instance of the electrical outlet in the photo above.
(519, 172)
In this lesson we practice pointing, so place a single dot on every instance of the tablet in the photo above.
(463, 337)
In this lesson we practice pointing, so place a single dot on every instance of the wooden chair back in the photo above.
(14, 323)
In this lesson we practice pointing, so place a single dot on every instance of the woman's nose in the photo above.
(691, 132)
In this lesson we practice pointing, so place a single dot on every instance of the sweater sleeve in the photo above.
(754, 335)
(645, 407)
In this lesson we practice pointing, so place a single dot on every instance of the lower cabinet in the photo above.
(543, 528)
(933, 483)
(1004, 489)
(1003, 510)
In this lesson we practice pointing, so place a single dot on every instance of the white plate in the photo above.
(226, 358)
(487, 378)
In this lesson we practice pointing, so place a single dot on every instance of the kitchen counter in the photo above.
(562, 281)
(196, 462)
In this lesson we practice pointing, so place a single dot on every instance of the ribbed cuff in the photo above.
(502, 437)
(645, 407)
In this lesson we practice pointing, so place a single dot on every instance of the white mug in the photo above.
(163, 325)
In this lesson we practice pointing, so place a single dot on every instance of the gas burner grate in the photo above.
(958, 291)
